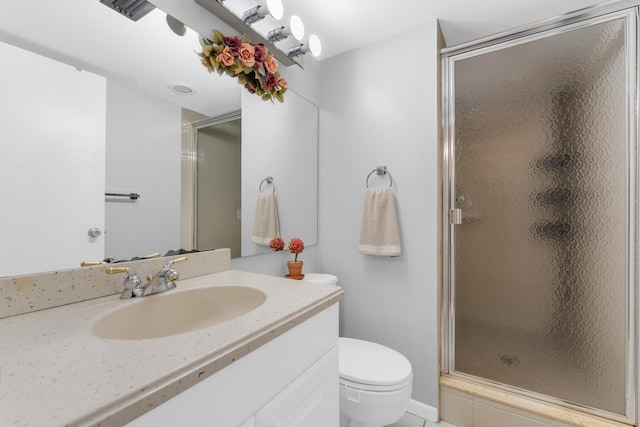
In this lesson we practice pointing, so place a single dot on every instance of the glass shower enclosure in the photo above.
(539, 211)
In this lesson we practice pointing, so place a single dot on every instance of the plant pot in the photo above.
(295, 270)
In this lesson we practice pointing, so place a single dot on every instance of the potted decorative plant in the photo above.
(296, 246)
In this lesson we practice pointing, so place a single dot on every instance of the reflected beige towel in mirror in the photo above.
(265, 224)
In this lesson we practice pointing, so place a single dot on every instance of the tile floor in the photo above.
(410, 420)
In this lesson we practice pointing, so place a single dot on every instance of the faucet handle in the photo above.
(114, 270)
(131, 283)
(173, 261)
(170, 275)
(90, 263)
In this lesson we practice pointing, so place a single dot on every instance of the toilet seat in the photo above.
(365, 365)
(375, 388)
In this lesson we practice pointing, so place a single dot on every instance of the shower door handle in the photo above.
(455, 216)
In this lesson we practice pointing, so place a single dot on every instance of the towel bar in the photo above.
(131, 196)
(380, 170)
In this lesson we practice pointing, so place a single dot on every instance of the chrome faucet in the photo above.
(131, 284)
(162, 281)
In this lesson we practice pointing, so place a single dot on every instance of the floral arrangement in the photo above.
(276, 244)
(296, 246)
(252, 64)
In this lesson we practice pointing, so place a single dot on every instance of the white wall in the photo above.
(143, 156)
(52, 174)
(378, 106)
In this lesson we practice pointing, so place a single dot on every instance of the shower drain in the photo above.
(509, 360)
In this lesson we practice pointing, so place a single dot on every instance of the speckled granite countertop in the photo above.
(55, 372)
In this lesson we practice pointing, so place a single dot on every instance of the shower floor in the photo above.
(544, 364)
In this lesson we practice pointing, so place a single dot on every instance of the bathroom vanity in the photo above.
(274, 365)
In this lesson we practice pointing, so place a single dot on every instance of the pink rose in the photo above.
(246, 54)
(282, 83)
(225, 57)
(272, 64)
(270, 80)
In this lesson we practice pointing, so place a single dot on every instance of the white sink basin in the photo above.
(177, 311)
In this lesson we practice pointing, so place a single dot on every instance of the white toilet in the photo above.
(375, 381)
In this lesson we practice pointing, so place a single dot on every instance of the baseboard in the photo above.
(422, 410)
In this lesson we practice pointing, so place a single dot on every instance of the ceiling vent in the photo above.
(132, 9)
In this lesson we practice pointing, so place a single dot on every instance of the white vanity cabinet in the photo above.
(310, 401)
(290, 381)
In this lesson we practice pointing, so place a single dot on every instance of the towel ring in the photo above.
(268, 180)
(380, 170)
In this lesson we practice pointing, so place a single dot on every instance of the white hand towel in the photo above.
(379, 233)
(265, 224)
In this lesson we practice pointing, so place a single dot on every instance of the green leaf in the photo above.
(218, 38)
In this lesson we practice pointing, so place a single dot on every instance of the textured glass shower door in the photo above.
(538, 149)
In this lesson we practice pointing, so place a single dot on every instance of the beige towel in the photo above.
(379, 232)
(265, 224)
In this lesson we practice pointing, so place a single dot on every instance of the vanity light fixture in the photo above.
(255, 14)
(132, 9)
(314, 46)
(236, 20)
(298, 50)
(278, 34)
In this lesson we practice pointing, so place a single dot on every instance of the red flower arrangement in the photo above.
(252, 64)
(296, 246)
(276, 244)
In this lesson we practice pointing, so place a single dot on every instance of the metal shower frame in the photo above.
(581, 18)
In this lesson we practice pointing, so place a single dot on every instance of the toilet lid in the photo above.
(368, 363)
(324, 279)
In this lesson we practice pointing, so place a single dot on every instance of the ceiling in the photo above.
(147, 56)
(345, 25)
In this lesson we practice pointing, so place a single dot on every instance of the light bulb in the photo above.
(297, 27)
(315, 46)
(275, 8)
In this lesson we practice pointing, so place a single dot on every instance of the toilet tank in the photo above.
(324, 279)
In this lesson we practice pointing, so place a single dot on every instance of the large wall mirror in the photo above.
(134, 131)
